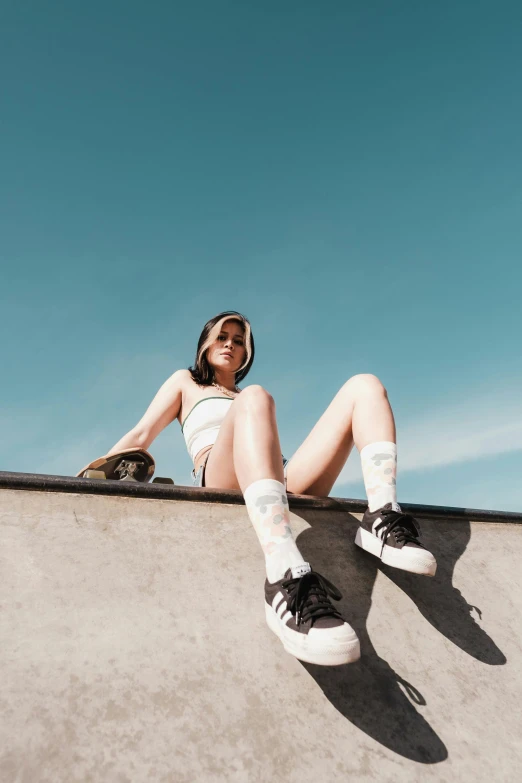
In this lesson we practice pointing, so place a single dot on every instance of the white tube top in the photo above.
(201, 426)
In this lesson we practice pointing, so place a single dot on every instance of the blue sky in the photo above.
(347, 174)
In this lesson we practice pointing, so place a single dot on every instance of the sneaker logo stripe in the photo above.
(279, 605)
(277, 599)
(281, 609)
(374, 526)
(286, 617)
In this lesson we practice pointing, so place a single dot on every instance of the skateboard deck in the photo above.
(127, 465)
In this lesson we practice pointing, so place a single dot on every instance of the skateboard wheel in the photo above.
(161, 480)
(96, 474)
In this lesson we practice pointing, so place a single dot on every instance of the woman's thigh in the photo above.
(317, 463)
(247, 447)
(219, 470)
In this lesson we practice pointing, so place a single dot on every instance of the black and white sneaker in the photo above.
(299, 611)
(393, 536)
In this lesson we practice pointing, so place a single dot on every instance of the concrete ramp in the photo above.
(134, 646)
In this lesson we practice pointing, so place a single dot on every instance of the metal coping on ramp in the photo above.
(43, 483)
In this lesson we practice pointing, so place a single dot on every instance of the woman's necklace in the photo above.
(226, 392)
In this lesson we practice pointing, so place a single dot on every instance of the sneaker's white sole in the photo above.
(327, 652)
(417, 561)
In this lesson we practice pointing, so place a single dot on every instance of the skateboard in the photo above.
(127, 465)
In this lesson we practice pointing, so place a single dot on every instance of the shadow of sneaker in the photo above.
(439, 602)
(369, 695)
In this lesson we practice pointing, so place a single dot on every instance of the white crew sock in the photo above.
(379, 467)
(267, 507)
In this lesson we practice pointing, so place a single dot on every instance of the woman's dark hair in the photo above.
(202, 373)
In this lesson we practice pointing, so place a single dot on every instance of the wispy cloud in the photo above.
(456, 433)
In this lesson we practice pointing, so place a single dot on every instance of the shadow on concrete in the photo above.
(442, 604)
(370, 693)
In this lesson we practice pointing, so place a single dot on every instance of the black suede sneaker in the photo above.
(299, 611)
(393, 536)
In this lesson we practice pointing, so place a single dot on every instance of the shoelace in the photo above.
(401, 525)
(309, 597)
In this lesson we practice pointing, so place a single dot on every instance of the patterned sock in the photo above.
(379, 467)
(267, 507)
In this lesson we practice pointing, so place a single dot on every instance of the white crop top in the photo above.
(202, 423)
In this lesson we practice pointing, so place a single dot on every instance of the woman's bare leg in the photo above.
(247, 454)
(247, 448)
(360, 413)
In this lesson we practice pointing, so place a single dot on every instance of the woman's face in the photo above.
(228, 352)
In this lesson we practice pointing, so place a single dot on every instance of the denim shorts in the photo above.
(198, 479)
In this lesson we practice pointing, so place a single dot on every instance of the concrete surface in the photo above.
(134, 648)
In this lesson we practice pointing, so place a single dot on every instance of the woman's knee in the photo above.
(365, 383)
(255, 398)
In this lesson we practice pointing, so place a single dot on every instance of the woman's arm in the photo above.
(164, 408)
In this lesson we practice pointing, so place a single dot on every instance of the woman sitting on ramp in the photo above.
(232, 438)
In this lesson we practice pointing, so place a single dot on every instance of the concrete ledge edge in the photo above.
(43, 483)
